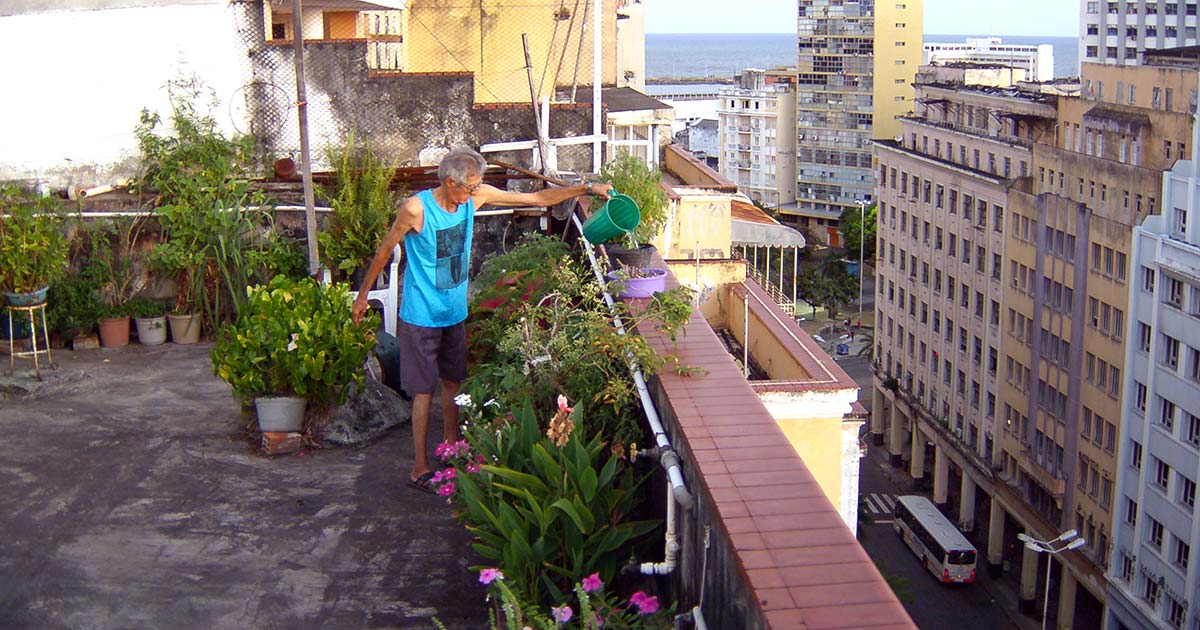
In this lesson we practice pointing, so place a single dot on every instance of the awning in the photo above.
(752, 226)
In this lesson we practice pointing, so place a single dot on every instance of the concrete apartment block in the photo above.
(1118, 32)
(756, 142)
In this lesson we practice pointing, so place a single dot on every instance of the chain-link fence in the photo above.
(438, 73)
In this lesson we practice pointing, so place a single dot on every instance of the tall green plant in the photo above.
(641, 182)
(215, 227)
(363, 208)
(33, 244)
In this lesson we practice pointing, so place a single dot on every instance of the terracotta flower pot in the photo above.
(114, 332)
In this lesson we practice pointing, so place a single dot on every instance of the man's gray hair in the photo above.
(460, 165)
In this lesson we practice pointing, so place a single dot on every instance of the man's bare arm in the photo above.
(490, 195)
(407, 219)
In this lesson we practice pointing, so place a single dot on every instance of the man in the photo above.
(436, 227)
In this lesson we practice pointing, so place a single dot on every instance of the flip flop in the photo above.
(424, 483)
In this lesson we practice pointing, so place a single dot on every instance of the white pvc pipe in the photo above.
(671, 550)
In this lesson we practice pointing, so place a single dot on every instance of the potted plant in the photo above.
(150, 319)
(33, 246)
(363, 208)
(642, 182)
(111, 262)
(637, 282)
(295, 340)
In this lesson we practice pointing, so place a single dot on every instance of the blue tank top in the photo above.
(437, 260)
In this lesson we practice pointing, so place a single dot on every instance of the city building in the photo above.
(855, 68)
(1152, 579)
(756, 139)
(1013, 369)
(1037, 60)
(1112, 32)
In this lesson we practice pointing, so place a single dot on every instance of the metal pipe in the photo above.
(669, 460)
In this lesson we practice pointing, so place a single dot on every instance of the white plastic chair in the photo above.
(388, 296)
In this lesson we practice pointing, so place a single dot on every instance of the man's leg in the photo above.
(449, 411)
(420, 430)
(418, 376)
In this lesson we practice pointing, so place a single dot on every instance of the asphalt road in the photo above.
(932, 605)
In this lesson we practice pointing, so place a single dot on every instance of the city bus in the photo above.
(940, 546)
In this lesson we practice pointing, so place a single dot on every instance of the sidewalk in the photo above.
(1005, 590)
(134, 498)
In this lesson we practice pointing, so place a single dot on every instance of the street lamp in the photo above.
(1070, 537)
(862, 247)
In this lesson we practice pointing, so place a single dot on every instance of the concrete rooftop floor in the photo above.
(132, 497)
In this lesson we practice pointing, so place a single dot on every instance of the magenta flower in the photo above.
(472, 467)
(442, 451)
(646, 605)
(449, 473)
(562, 614)
(461, 447)
(438, 477)
(592, 583)
(599, 621)
(446, 489)
(487, 576)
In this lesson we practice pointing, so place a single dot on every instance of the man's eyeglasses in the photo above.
(470, 189)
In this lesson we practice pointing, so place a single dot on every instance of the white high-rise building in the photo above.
(1117, 32)
(1156, 527)
(1037, 60)
(757, 135)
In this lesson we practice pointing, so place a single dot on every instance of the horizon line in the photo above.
(1072, 35)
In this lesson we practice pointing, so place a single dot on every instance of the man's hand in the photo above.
(359, 308)
(604, 191)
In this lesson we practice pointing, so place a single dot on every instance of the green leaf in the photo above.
(566, 507)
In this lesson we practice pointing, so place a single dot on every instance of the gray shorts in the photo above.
(429, 354)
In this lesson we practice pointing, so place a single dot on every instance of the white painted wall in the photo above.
(76, 81)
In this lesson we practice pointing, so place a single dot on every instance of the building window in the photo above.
(1166, 416)
(1135, 454)
(1162, 474)
(1131, 512)
(1155, 534)
(1170, 353)
(1183, 552)
(1148, 279)
(1187, 492)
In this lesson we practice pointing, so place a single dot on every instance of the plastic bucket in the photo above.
(617, 217)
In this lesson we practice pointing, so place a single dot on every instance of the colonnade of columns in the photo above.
(887, 425)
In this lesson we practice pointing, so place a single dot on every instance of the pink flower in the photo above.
(442, 451)
(473, 467)
(487, 576)
(599, 621)
(449, 473)
(446, 489)
(461, 447)
(438, 477)
(592, 583)
(562, 614)
(646, 605)
(562, 404)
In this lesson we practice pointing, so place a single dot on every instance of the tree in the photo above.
(852, 230)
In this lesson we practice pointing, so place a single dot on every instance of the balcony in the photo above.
(119, 480)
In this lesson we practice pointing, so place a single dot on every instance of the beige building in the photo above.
(1073, 176)
(756, 136)
(485, 38)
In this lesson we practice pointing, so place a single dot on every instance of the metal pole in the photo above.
(310, 214)
(746, 336)
(533, 98)
(795, 275)
(862, 246)
(597, 31)
(1046, 601)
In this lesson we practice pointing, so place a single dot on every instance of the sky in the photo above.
(1053, 18)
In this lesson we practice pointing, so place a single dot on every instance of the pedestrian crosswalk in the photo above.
(878, 504)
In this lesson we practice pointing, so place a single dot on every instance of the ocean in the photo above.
(673, 55)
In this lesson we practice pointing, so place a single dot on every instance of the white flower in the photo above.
(463, 400)
(491, 403)
(292, 345)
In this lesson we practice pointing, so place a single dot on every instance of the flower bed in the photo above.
(549, 489)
